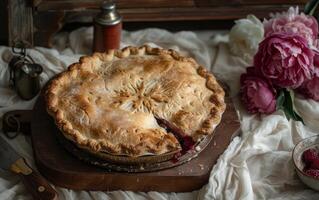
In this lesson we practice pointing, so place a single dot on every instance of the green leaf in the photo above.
(288, 106)
(280, 100)
(311, 6)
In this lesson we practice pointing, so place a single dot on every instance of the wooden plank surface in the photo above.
(64, 170)
(196, 13)
(20, 22)
(43, 5)
(175, 14)
(249, 2)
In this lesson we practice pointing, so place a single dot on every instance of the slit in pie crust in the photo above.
(109, 102)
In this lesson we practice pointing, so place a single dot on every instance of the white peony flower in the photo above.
(245, 36)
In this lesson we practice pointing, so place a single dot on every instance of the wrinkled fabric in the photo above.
(256, 165)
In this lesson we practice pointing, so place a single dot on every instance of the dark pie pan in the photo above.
(147, 163)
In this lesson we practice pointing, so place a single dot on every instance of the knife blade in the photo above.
(7, 155)
(34, 182)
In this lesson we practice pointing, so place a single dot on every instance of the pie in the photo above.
(111, 102)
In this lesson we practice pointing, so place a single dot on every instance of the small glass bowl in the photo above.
(303, 145)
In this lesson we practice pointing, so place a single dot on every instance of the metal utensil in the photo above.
(34, 182)
(24, 73)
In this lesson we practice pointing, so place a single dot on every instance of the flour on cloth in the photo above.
(256, 165)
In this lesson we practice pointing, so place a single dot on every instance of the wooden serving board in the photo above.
(65, 170)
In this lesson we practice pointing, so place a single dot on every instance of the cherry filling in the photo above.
(187, 143)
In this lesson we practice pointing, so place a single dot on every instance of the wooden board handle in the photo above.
(34, 182)
(16, 121)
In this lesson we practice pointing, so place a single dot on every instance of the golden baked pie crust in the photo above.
(108, 102)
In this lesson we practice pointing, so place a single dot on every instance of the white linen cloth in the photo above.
(256, 165)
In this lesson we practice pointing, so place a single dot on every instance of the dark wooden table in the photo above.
(36, 21)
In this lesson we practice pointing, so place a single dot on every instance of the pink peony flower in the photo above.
(285, 60)
(310, 89)
(316, 61)
(256, 93)
(292, 22)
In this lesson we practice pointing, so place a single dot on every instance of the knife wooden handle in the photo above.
(34, 182)
(39, 187)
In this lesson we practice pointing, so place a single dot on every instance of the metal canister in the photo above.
(107, 28)
(25, 77)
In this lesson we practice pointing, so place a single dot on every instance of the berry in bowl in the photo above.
(306, 160)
